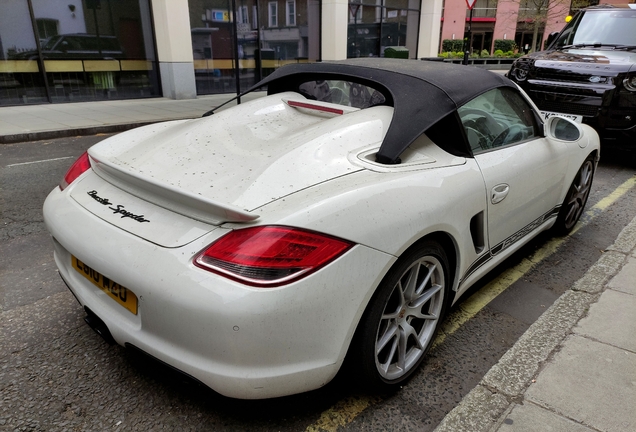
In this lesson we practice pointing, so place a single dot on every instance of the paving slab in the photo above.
(591, 383)
(531, 418)
(625, 281)
(611, 320)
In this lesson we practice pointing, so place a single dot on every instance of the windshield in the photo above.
(600, 27)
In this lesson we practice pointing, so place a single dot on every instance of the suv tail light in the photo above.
(270, 256)
(81, 165)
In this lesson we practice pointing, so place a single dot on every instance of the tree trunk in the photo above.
(535, 33)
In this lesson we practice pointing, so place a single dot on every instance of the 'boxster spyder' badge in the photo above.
(118, 209)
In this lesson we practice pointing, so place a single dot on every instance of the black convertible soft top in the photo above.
(423, 92)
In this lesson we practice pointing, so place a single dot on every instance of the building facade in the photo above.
(57, 51)
(518, 20)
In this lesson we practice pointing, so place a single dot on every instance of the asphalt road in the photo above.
(57, 374)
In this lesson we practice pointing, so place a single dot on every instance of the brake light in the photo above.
(81, 165)
(270, 255)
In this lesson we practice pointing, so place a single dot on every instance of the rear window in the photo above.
(342, 92)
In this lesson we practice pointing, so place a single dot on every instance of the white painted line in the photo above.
(40, 161)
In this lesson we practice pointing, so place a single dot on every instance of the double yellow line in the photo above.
(344, 411)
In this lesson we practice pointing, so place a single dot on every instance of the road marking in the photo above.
(40, 161)
(344, 411)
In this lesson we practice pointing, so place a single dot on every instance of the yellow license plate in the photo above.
(120, 294)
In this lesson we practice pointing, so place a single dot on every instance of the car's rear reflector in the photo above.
(81, 165)
(270, 256)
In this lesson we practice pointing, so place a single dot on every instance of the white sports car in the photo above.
(340, 216)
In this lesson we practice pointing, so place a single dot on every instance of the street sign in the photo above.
(471, 4)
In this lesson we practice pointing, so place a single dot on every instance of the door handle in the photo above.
(499, 193)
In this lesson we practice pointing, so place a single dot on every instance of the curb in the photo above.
(63, 133)
(505, 384)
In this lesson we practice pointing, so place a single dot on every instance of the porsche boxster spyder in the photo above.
(338, 217)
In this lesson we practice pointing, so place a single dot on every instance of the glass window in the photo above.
(389, 23)
(90, 50)
(21, 78)
(291, 13)
(47, 27)
(228, 61)
(273, 14)
(497, 118)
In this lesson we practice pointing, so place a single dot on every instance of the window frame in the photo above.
(290, 16)
(272, 18)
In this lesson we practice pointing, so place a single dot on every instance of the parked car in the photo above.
(588, 72)
(78, 46)
(338, 217)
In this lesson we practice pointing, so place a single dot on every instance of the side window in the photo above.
(497, 118)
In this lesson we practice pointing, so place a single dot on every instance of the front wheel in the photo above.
(403, 317)
(576, 198)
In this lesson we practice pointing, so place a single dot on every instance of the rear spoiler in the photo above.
(170, 197)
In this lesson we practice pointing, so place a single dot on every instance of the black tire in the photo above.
(378, 360)
(575, 199)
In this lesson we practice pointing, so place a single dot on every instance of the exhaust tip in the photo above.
(98, 326)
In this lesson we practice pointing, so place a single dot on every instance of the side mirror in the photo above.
(551, 38)
(563, 129)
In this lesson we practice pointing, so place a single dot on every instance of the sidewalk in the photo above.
(574, 370)
(35, 122)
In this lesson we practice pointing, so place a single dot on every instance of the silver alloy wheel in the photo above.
(577, 196)
(409, 318)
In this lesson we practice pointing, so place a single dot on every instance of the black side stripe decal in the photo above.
(514, 238)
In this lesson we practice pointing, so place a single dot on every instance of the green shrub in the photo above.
(452, 45)
(505, 45)
(443, 55)
(509, 54)
(474, 55)
(498, 53)
(484, 53)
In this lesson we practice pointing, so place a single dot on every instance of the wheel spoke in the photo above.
(389, 334)
(394, 314)
(411, 283)
(389, 360)
(424, 297)
(431, 268)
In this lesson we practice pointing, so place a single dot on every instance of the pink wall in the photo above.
(506, 24)
(556, 17)
(454, 20)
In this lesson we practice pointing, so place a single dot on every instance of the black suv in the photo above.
(588, 72)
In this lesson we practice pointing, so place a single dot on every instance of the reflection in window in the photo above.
(291, 13)
(89, 50)
(47, 27)
(389, 23)
(273, 14)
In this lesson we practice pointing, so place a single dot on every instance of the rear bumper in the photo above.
(240, 341)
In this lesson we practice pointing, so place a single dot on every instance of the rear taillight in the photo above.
(81, 165)
(270, 255)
